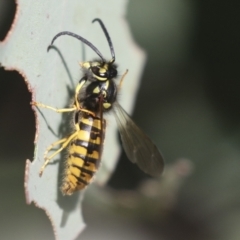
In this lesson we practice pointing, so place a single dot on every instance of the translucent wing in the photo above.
(138, 147)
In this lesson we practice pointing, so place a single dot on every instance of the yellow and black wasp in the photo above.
(85, 144)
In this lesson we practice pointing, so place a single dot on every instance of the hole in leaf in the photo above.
(7, 13)
(17, 129)
(17, 122)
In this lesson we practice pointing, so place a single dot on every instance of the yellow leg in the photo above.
(65, 142)
(87, 111)
(53, 145)
(78, 88)
(122, 78)
(61, 110)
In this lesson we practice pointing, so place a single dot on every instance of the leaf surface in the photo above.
(52, 76)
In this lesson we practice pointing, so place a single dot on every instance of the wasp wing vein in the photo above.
(137, 145)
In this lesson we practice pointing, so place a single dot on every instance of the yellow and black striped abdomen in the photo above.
(84, 153)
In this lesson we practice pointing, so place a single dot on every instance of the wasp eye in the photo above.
(96, 71)
(100, 72)
(112, 73)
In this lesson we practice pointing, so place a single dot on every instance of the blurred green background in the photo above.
(188, 102)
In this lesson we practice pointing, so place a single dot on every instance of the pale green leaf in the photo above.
(51, 76)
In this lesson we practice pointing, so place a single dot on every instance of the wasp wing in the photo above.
(138, 147)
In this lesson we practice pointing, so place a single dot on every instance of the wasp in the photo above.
(96, 93)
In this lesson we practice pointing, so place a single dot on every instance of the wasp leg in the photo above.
(64, 141)
(60, 110)
(87, 111)
(122, 78)
(78, 88)
(53, 145)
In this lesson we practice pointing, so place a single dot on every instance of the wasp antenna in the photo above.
(48, 48)
(107, 36)
(81, 39)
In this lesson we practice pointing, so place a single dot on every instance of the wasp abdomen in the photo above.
(84, 154)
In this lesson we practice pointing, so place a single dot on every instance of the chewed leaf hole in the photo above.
(7, 14)
(16, 117)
